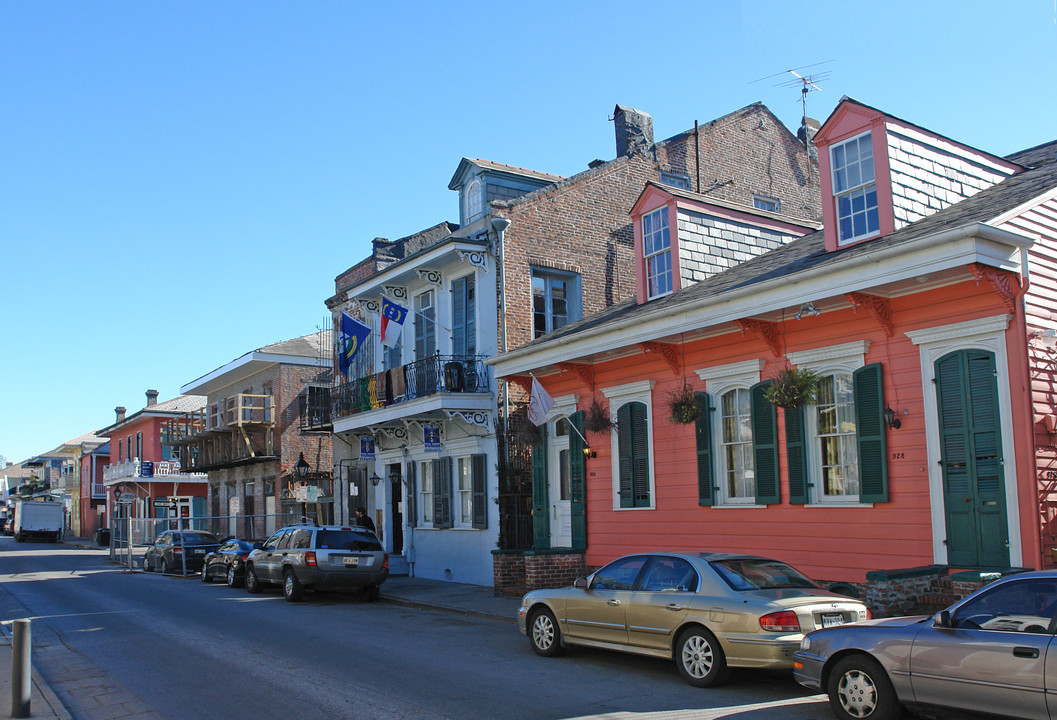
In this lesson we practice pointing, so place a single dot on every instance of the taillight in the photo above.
(385, 561)
(243, 556)
(865, 614)
(177, 548)
(310, 558)
(782, 621)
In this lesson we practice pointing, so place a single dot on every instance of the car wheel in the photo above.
(859, 688)
(167, 567)
(544, 634)
(699, 658)
(371, 593)
(205, 572)
(147, 567)
(232, 577)
(292, 589)
(253, 583)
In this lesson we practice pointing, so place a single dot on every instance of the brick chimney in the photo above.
(634, 130)
(120, 412)
(809, 128)
(152, 397)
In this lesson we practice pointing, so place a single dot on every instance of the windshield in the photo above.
(193, 538)
(346, 540)
(760, 574)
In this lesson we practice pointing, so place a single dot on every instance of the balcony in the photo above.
(450, 381)
(163, 470)
(230, 431)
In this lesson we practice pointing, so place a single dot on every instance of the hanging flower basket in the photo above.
(682, 406)
(793, 387)
(597, 419)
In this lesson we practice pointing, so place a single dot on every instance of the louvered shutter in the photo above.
(540, 498)
(706, 494)
(870, 434)
(764, 420)
(458, 316)
(479, 470)
(640, 444)
(442, 493)
(796, 454)
(412, 498)
(577, 482)
(627, 466)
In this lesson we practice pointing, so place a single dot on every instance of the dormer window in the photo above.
(854, 188)
(657, 252)
(473, 201)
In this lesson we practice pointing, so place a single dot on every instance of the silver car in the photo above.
(706, 611)
(323, 557)
(986, 654)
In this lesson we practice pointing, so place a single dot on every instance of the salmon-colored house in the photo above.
(925, 309)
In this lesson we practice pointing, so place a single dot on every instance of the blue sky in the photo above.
(181, 182)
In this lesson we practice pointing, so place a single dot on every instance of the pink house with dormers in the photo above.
(924, 306)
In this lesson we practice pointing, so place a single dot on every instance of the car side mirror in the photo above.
(580, 583)
(942, 619)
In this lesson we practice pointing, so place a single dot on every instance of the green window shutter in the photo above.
(640, 448)
(540, 499)
(479, 479)
(796, 454)
(412, 497)
(458, 316)
(706, 494)
(627, 461)
(578, 482)
(764, 419)
(870, 434)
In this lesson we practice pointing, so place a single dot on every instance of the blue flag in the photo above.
(353, 333)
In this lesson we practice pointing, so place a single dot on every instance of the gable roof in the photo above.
(808, 255)
(493, 166)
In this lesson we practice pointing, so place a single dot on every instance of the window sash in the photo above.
(836, 440)
(464, 491)
(656, 252)
(855, 188)
(425, 492)
(736, 452)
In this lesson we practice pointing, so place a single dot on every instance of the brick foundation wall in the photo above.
(518, 572)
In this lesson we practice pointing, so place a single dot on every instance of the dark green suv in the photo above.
(324, 557)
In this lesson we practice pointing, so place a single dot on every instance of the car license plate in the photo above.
(352, 562)
(197, 552)
(832, 619)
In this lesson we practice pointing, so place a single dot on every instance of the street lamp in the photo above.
(301, 470)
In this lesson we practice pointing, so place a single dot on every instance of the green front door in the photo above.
(540, 493)
(971, 459)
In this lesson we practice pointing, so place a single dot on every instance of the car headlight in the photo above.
(805, 643)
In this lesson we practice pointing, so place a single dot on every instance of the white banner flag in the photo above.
(540, 404)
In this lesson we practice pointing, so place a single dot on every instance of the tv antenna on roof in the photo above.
(807, 83)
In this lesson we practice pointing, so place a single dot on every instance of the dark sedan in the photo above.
(177, 550)
(987, 654)
(228, 562)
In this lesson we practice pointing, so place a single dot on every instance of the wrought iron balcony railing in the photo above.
(422, 378)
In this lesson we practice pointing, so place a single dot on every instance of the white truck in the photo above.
(38, 519)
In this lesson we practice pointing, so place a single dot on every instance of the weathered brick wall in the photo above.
(896, 592)
(290, 381)
(518, 572)
(748, 152)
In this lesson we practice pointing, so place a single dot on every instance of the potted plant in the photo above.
(793, 387)
(682, 406)
(597, 419)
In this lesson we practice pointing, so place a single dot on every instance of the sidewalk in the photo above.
(469, 600)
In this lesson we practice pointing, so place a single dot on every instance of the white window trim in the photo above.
(756, 197)
(618, 395)
(848, 191)
(843, 358)
(459, 522)
(933, 343)
(718, 380)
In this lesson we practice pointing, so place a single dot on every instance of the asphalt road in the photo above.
(190, 650)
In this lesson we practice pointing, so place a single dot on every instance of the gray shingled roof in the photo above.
(809, 251)
(305, 346)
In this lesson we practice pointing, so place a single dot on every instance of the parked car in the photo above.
(227, 561)
(986, 654)
(3, 526)
(323, 557)
(706, 611)
(167, 551)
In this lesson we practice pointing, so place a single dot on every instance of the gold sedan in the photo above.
(707, 611)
